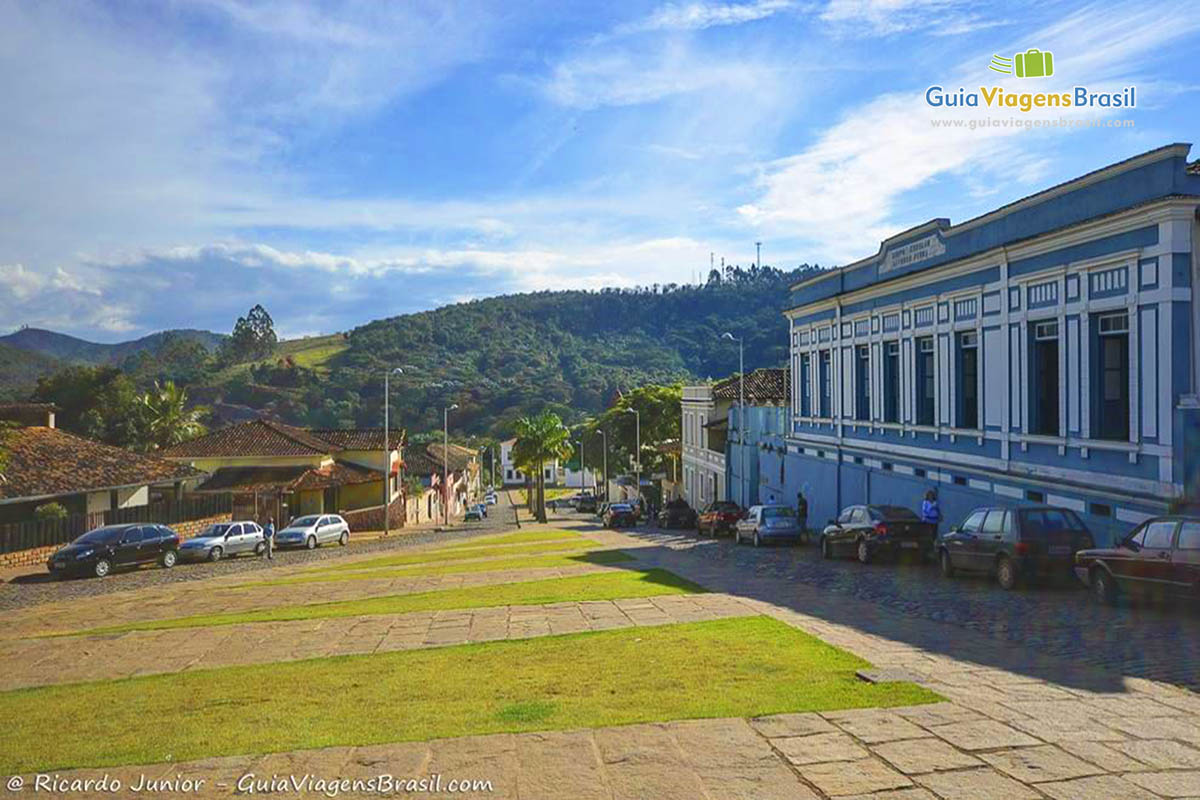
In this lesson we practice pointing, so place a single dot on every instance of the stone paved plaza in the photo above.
(1020, 718)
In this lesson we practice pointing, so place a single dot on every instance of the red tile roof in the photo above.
(771, 385)
(287, 479)
(358, 438)
(43, 462)
(264, 437)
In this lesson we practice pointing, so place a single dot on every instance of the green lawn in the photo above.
(461, 554)
(726, 668)
(600, 586)
(552, 493)
(521, 537)
(602, 557)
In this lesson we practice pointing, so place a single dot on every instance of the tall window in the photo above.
(968, 380)
(805, 387)
(1043, 383)
(1112, 381)
(862, 379)
(925, 381)
(891, 382)
(825, 380)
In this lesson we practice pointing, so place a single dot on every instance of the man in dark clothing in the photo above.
(802, 514)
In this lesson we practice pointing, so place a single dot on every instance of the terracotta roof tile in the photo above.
(357, 438)
(260, 437)
(287, 479)
(771, 385)
(44, 462)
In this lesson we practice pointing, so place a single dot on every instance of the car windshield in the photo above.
(1040, 521)
(777, 512)
(100, 536)
(215, 530)
(894, 512)
(305, 522)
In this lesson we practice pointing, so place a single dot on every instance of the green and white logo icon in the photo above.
(1033, 63)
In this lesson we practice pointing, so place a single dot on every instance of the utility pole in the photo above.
(387, 451)
(758, 255)
(604, 444)
(446, 462)
(741, 411)
(637, 455)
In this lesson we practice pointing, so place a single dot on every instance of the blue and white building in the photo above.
(1043, 352)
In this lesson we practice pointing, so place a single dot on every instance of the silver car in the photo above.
(314, 529)
(223, 539)
(762, 524)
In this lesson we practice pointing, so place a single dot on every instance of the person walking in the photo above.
(802, 515)
(930, 510)
(269, 539)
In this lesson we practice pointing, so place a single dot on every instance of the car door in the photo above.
(1186, 559)
(990, 541)
(326, 530)
(1122, 562)
(961, 544)
(126, 551)
(842, 531)
(233, 540)
(1153, 566)
(150, 548)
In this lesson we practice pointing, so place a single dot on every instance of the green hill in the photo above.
(69, 348)
(19, 371)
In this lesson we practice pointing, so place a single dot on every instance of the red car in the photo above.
(719, 517)
(1160, 557)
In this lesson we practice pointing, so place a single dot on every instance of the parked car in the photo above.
(620, 515)
(677, 514)
(475, 513)
(868, 531)
(1015, 543)
(223, 539)
(763, 524)
(719, 517)
(586, 504)
(100, 551)
(1160, 557)
(314, 529)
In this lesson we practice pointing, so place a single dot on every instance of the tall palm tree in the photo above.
(168, 420)
(540, 439)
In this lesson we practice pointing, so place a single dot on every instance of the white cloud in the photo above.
(843, 193)
(698, 16)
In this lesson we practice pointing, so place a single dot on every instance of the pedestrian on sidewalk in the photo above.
(802, 514)
(931, 512)
(269, 539)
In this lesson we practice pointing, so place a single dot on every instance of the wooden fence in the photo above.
(28, 535)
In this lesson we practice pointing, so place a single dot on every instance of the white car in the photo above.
(222, 540)
(314, 529)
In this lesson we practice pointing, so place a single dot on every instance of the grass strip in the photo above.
(741, 667)
(457, 554)
(600, 586)
(520, 537)
(599, 557)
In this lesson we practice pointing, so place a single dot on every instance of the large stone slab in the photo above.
(915, 756)
(983, 735)
(841, 778)
(976, 784)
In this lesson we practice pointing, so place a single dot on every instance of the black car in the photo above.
(868, 531)
(1015, 543)
(677, 514)
(102, 550)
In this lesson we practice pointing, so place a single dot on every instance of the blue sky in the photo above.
(169, 164)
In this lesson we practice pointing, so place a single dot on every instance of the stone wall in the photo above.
(37, 556)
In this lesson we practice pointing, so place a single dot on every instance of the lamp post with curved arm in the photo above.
(387, 450)
(637, 454)
(741, 412)
(446, 462)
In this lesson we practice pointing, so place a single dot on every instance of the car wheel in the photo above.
(1006, 573)
(260, 548)
(1104, 588)
(757, 543)
(102, 567)
(345, 539)
(168, 559)
(946, 565)
(826, 549)
(311, 543)
(864, 552)
(215, 554)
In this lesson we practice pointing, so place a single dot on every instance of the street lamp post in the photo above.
(446, 462)
(582, 469)
(387, 450)
(604, 444)
(637, 455)
(741, 411)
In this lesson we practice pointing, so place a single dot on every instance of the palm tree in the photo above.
(168, 420)
(540, 439)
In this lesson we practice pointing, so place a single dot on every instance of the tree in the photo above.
(253, 337)
(540, 439)
(95, 402)
(167, 420)
(661, 424)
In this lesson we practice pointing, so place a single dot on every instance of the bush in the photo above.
(50, 512)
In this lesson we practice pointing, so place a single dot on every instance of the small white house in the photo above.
(510, 475)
